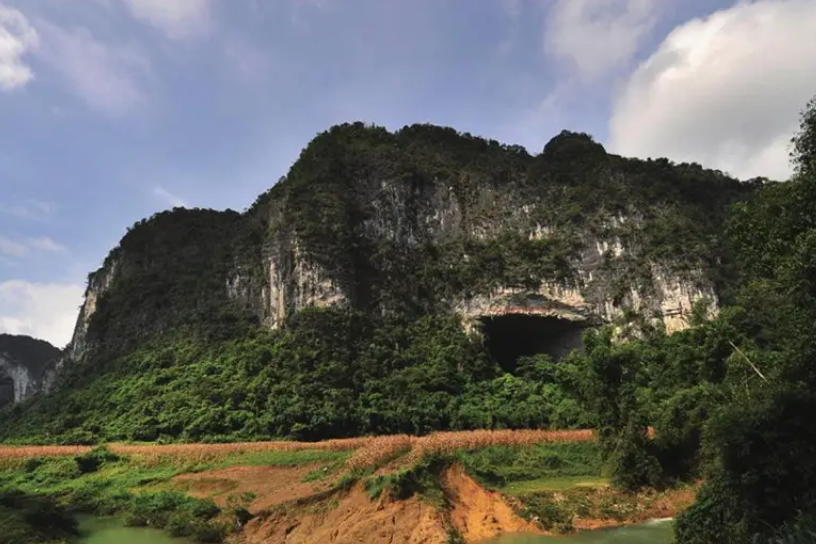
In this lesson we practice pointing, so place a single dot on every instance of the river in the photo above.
(653, 531)
(95, 529)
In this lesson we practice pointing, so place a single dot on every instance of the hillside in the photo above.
(425, 280)
(388, 284)
(24, 366)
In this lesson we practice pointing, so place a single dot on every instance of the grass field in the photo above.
(543, 484)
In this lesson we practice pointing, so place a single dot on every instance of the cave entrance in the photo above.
(510, 336)
(6, 389)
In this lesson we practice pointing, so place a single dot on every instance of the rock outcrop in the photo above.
(429, 220)
(24, 365)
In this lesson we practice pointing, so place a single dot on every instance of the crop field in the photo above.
(368, 451)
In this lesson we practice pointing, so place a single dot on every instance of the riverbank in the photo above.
(466, 487)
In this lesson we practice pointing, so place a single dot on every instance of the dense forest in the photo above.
(729, 398)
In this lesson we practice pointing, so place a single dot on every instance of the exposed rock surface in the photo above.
(24, 365)
(573, 233)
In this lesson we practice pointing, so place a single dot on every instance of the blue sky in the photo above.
(112, 110)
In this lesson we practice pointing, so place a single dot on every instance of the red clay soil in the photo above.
(350, 517)
(479, 514)
(291, 511)
(272, 486)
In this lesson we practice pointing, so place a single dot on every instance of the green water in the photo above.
(655, 531)
(113, 530)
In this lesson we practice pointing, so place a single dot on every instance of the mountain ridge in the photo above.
(373, 234)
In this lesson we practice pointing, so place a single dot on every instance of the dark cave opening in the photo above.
(511, 336)
(6, 389)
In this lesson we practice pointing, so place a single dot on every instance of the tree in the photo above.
(803, 154)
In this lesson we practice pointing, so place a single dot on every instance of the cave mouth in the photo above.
(6, 389)
(511, 336)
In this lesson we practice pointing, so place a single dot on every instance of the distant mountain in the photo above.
(24, 364)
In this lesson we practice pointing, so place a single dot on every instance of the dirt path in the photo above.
(272, 486)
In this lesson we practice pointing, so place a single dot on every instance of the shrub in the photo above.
(91, 461)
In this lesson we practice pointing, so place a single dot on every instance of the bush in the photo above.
(180, 515)
(26, 518)
(634, 465)
(92, 460)
(497, 466)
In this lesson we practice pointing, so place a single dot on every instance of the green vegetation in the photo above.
(44, 492)
(102, 483)
(547, 465)
(731, 398)
(327, 374)
(407, 225)
(285, 458)
(35, 354)
(33, 518)
(422, 479)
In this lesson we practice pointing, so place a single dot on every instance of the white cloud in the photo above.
(44, 311)
(178, 19)
(16, 39)
(108, 77)
(168, 198)
(33, 209)
(11, 247)
(597, 36)
(46, 244)
(724, 91)
(24, 247)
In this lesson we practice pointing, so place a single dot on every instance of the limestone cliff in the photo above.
(427, 220)
(597, 238)
(24, 364)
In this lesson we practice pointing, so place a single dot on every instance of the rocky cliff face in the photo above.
(574, 233)
(427, 220)
(24, 365)
(98, 284)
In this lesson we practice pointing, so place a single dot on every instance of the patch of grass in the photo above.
(546, 511)
(556, 510)
(554, 483)
(284, 458)
(505, 467)
(105, 484)
(324, 472)
(423, 478)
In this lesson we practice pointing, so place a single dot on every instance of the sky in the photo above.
(112, 110)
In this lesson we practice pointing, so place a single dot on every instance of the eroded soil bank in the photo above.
(290, 508)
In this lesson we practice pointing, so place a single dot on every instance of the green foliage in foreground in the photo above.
(731, 399)
(33, 518)
(103, 483)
